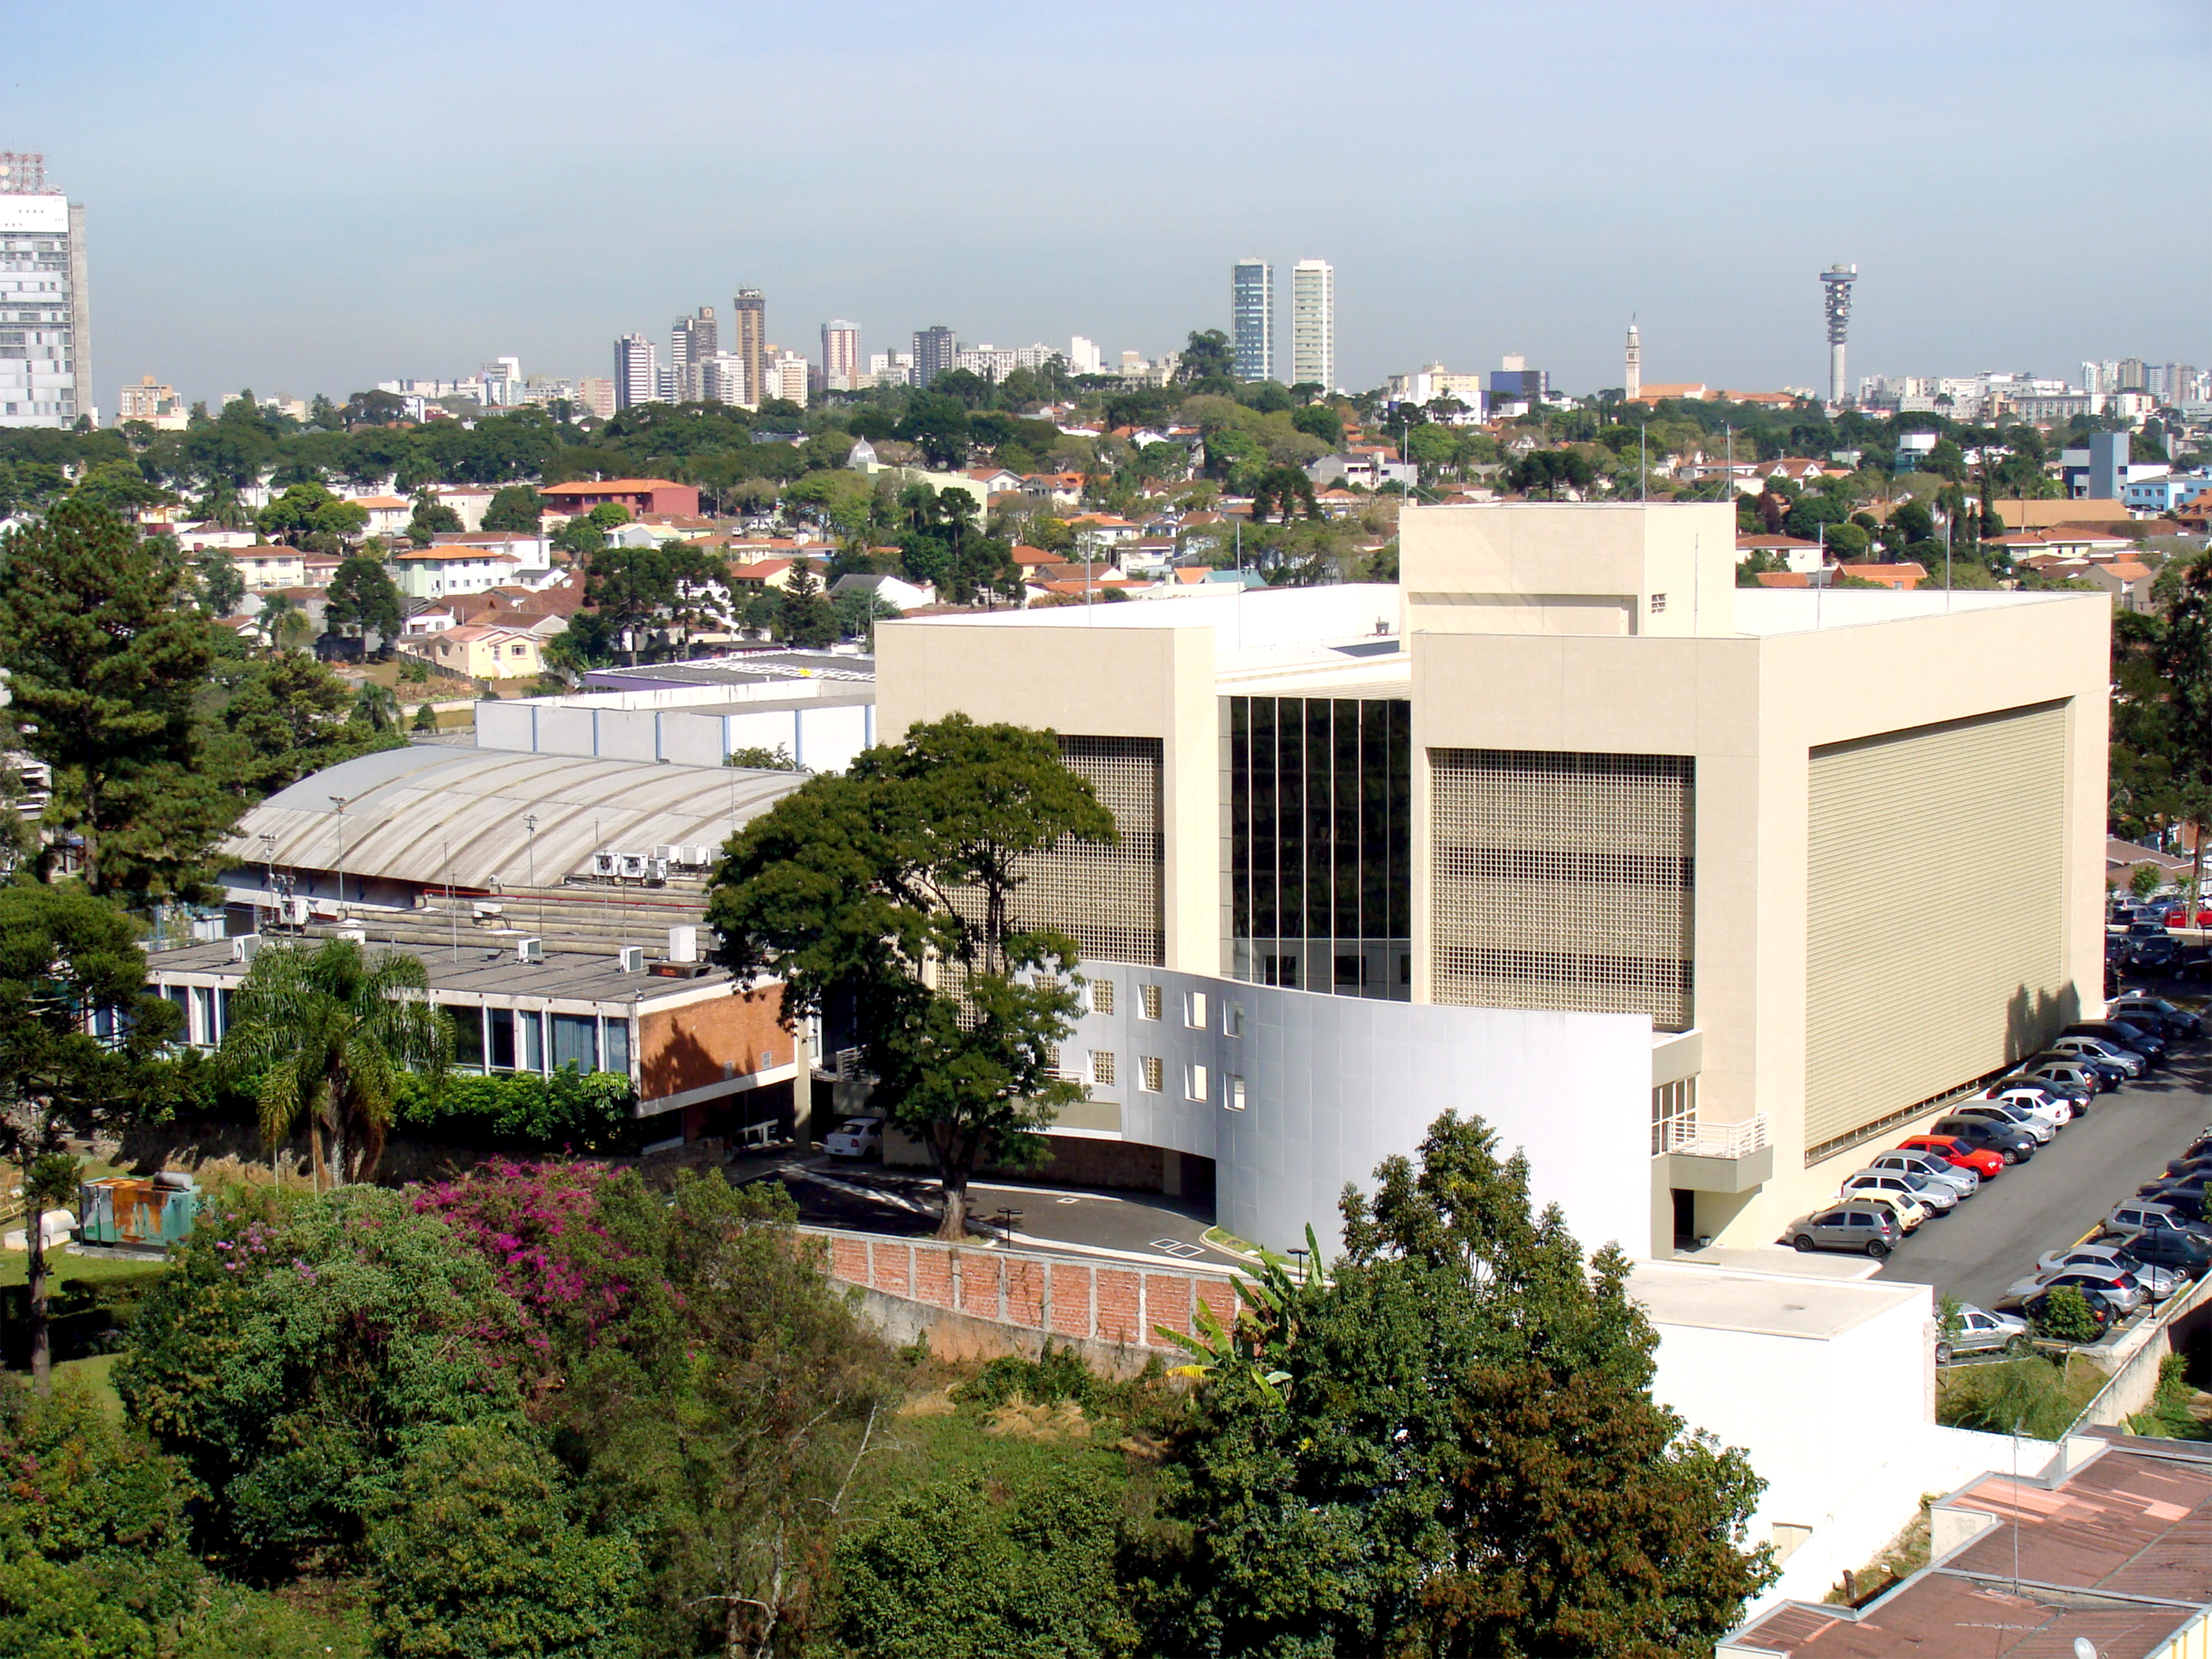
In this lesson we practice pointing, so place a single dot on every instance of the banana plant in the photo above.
(1266, 1325)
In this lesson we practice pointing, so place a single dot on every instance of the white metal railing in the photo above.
(1700, 1139)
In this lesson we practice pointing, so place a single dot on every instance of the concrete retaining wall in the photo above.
(2135, 1362)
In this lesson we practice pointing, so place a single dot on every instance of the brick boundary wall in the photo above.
(1063, 1297)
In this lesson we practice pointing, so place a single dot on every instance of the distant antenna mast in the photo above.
(22, 172)
(1836, 290)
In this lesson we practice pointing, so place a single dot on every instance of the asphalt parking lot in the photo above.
(1992, 1240)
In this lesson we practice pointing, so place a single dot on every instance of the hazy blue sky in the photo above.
(314, 196)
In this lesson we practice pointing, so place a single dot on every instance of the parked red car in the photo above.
(1980, 1159)
(2178, 916)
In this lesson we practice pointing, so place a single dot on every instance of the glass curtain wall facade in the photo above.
(1320, 844)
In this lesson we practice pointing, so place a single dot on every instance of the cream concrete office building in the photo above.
(1661, 876)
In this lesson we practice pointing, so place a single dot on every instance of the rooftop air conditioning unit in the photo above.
(669, 853)
(656, 869)
(242, 948)
(294, 910)
(530, 949)
(633, 958)
(684, 945)
(632, 866)
(606, 864)
(700, 857)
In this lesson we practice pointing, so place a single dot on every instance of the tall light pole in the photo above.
(339, 801)
(529, 825)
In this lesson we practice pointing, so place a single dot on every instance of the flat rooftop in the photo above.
(1813, 1309)
(2114, 1550)
(1764, 613)
(747, 668)
(477, 970)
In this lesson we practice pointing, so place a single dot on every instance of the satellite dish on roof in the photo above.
(2084, 1648)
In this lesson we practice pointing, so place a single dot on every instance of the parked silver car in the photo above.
(1937, 1197)
(1871, 1228)
(2160, 1282)
(2122, 1292)
(1981, 1331)
(2139, 1215)
(1964, 1181)
(2127, 1060)
(2066, 1070)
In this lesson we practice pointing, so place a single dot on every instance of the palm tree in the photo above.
(330, 1030)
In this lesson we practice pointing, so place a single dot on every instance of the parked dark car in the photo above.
(2154, 953)
(2013, 1145)
(2142, 1041)
(2037, 1305)
(2184, 1192)
(2178, 1021)
(2185, 1253)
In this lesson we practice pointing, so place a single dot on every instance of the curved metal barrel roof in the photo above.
(431, 814)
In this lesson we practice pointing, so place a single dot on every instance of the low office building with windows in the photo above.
(555, 902)
(1656, 874)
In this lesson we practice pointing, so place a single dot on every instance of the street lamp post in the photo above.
(339, 801)
(268, 873)
(529, 825)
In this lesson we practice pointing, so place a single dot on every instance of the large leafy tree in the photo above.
(364, 598)
(105, 655)
(897, 888)
(326, 1034)
(482, 1554)
(803, 615)
(1447, 1445)
(965, 1569)
(286, 716)
(69, 967)
(302, 1349)
(2161, 758)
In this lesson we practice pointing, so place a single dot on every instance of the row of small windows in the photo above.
(1151, 1077)
(1196, 1007)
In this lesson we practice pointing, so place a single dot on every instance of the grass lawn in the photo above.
(60, 1265)
(93, 1374)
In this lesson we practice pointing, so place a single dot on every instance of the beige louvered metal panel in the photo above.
(1109, 898)
(1564, 881)
(1913, 991)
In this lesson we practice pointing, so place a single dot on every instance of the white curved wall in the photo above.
(1335, 1084)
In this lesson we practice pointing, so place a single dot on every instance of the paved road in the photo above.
(832, 1192)
(1993, 1239)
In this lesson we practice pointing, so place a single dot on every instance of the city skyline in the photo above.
(1441, 261)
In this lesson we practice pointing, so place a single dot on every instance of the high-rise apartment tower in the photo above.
(637, 372)
(749, 337)
(841, 354)
(934, 350)
(1313, 324)
(1836, 291)
(691, 342)
(1252, 319)
(1632, 370)
(45, 307)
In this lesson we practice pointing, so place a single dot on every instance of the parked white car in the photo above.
(857, 1136)
(1964, 1181)
(1935, 1198)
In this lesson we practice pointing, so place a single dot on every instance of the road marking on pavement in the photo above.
(1177, 1247)
(1067, 1200)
